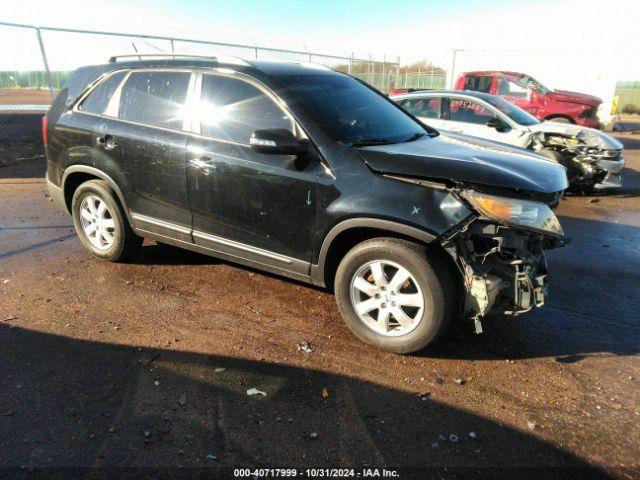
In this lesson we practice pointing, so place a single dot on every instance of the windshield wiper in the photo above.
(414, 137)
(367, 142)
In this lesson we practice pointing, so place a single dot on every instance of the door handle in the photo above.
(204, 164)
(107, 142)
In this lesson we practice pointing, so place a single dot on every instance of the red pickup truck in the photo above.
(530, 95)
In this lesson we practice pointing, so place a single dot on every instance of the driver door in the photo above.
(244, 203)
(471, 118)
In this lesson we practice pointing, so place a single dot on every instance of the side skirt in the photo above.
(221, 248)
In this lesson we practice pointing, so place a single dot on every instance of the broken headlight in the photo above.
(516, 212)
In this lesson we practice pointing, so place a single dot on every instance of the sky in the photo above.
(411, 29)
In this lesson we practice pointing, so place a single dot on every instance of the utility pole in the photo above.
(453, 67)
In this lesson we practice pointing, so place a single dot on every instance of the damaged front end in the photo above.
(500, 253)
(593, 159)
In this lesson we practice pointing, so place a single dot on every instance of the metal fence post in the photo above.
(46, 63)
(385, 83)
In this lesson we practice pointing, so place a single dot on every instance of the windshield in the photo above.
(516, 114)
(351, 113)
(533, 83)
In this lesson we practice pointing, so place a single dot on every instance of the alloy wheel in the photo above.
(387, 298)
(97, 222)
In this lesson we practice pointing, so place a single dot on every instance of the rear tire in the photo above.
(560, 120)
(101, 224)
(399, 317)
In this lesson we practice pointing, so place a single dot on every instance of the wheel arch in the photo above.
(348, 233)
(76, 175)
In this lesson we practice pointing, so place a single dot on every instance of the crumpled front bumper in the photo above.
(613, 178)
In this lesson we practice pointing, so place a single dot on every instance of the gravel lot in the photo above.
(148, 364)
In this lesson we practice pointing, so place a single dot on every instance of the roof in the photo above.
(264, 66)
(495, 72)
(467, 93)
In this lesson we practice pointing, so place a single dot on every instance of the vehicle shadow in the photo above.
(77, 408)
(165, 254)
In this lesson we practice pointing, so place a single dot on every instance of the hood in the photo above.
(574, 97)
(468, 159)
(590, 136)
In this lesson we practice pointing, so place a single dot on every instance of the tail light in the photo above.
(44, 131)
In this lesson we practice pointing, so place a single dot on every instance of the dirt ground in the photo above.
(25, 96)
(143, 368)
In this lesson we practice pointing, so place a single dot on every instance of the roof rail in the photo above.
(219, 58)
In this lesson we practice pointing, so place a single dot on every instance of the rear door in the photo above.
(244, 203)
(427, 109)
(148, 143)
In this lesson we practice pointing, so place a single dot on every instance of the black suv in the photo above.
(308, 173)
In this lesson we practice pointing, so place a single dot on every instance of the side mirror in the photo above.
(498, 124)
(278, 141)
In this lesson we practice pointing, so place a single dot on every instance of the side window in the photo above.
(462, 110)
(232, 109)
(99, 97)
(478, 84)
(423, 107)
(156, 98)
(512, 89)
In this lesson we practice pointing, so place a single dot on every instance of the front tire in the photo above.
(101, 224)
(394, 296)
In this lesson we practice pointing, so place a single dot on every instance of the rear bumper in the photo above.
(56, 194)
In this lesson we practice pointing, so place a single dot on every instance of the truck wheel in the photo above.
(560, 120)
(101, 224)
(393, 295)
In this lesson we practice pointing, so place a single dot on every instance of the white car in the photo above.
(593, 159)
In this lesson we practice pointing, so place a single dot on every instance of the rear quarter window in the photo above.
(97, 101)
(155, 98)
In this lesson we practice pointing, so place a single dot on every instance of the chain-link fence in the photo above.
(41, 59)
